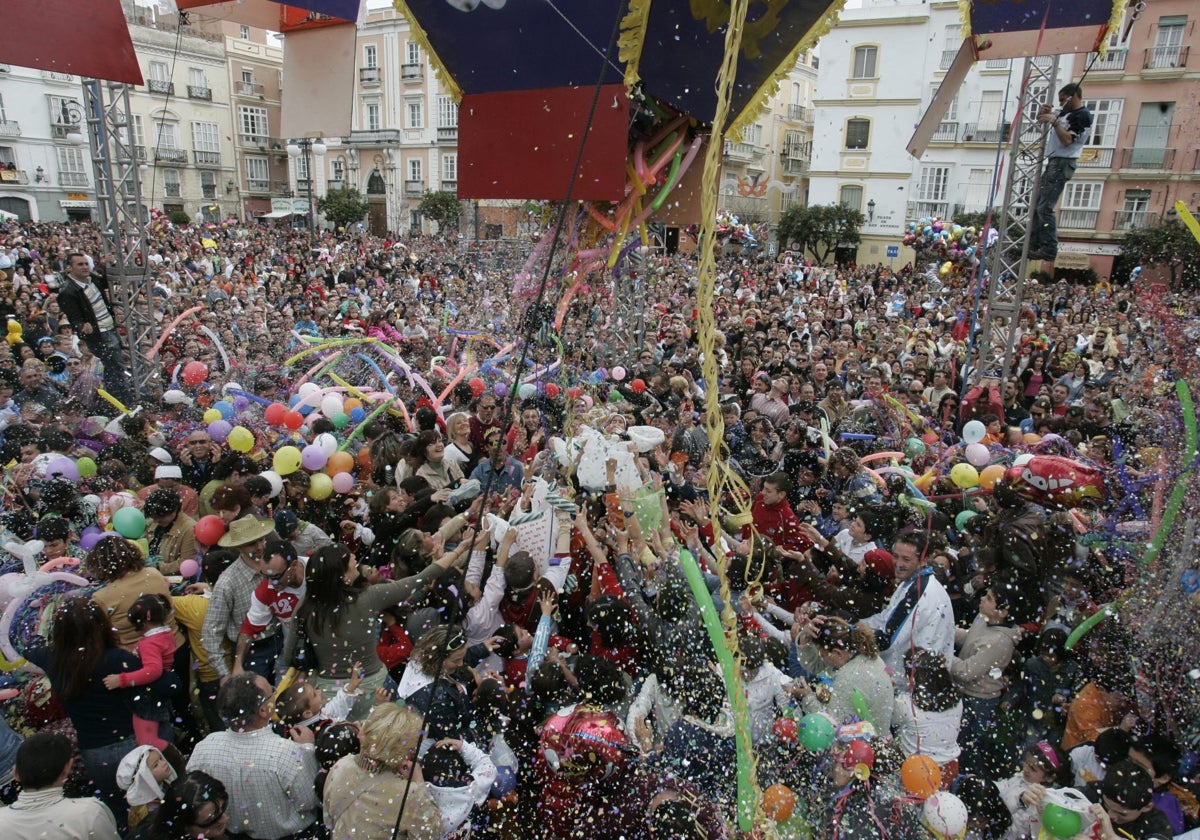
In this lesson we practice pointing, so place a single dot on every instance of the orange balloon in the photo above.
(778, 802)
(1031, 438)
(921, 776)
(351, 404)
(364, 460)
(339, 462)
(990, 475)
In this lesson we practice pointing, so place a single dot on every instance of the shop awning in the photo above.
(278, 214)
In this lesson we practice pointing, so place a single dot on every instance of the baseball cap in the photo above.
(286, 523)
(168, 471)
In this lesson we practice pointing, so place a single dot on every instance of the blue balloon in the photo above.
(304, 410)
(294, 401)
(357, 415)
(228, 412)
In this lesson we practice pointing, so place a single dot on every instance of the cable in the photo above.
(181, 22)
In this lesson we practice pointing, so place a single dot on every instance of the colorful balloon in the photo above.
(339, 462)
(320, 486)
(219, 430)
(343, 482)
(978, 455)
(920, 775)
(275, 414)
(194, 373)
(209, 529)
(287, 460)
(129, 522)
(817, 732)
(778, 802)
(973, 431)
(313, 457)
(964, 476)
(240, 439)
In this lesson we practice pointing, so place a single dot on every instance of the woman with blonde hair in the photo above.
(369, 795)
(861, 686)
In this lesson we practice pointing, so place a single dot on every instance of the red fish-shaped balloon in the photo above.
(1054, 481)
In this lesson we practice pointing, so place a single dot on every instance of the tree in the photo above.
(179, 217)
(442, 207)
(820, 229)
(343, 207)
(1168, 244)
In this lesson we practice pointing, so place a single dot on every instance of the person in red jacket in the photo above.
(773, 516)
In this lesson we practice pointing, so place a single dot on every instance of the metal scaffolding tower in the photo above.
(122, 222)
(1006, 259)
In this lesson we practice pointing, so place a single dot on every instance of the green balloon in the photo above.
(816, 732)
(914, 447)
(965, 516)
(615, 396)
(340, 420)
(1061, 822)
(129, 522)
(86, 467)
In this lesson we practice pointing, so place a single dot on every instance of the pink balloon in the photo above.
(343, 482)
(978, 455)
(617, 373)
(188, 568)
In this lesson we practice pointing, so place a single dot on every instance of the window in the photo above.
(72, 168)
(1080, 205)
(1153, 134)
(414, 170)
(65, 111)
(851, 195)
(171, 187)
(414, 114)
(166, 136)
(197, 77)
(338, 169)
(139, 131)
(1135, 212)
(1168, 43)
(208, 183)
(793, 144)
(1106, 120)
(253, 122)
(753, 134)
(247, 76)
(300, 166)
(370, 56)
(450, 167)
(7, 158)
(447, 112)
(244, 33)
(864, 62)
(979, 187)
(932, 190)
(258, 172)
(858, 133)
(412, 52)
(206, 137)
(372, 114)
(991, 107)
(159, 72)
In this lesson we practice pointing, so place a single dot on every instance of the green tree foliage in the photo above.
(1168, 244)
(343, 207)
(179, 217)
(442, 207)
(819, 230)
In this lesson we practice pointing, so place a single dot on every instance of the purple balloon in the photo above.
(62, 468)
(88, 541)
(219, 430)
(313, 457)
(500, 390)
(92, 529)
(241, 403)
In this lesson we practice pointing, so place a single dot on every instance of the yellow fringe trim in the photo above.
(964, 15)
(419, 35)
(1114, 24)
(762, 98)
(632, 39)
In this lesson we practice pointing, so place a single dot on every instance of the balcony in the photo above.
(795, 166)
(163, 155)
(139, 152)
(13, 176)
(160, 86)
(208, 190)
(73, 179)
(1153, 159)
(51, 76)
(199, 92)
(448, 135)
(1165, 58)
(1078, 219)
(261, 142)
(1132, 219)
(64, 132)
(947, 132)
(996, 64)
(368, 76)
(921, 209)
(376, 137)
(282, 189)
(336, 183)
(1114, 59)
(207, 158)
(972, 133)
(947, 59)
(450, 187)
(414, 189)
(798, 113)
(10, 128)
(742, 152)
(171, 190)
(249, 89)
(1094, 158)
(257, 186)
(411, 72)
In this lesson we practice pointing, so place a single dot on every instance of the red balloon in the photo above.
(478, 386)
(275, 414)
(552, 390)
(638, 385)
(194, 373)
(786, 730)
(209, 529)
(929, 438)
(293, 420)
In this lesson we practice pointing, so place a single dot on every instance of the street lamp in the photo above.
(304, 146)
(871, 210)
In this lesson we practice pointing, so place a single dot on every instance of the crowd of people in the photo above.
(380, 547)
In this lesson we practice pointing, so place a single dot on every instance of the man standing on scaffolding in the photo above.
(1069, 133)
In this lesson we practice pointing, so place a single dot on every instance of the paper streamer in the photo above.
(162, 339)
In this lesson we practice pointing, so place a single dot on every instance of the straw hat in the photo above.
(246, 530)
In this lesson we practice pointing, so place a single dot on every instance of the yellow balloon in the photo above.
(212, 415)
(320, 486)
(240, 438)
(946, 268)
(964, 475)
(287, 461)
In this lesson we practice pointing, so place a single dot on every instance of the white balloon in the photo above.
(1022, 460)
(331, 404)
(327, 442)
(974, 431)
(945, 815)
(308, 389)
(276, 481)
(978, 455)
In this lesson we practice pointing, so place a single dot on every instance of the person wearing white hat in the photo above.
(230, 601)
(169, 476)
(143, 774)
